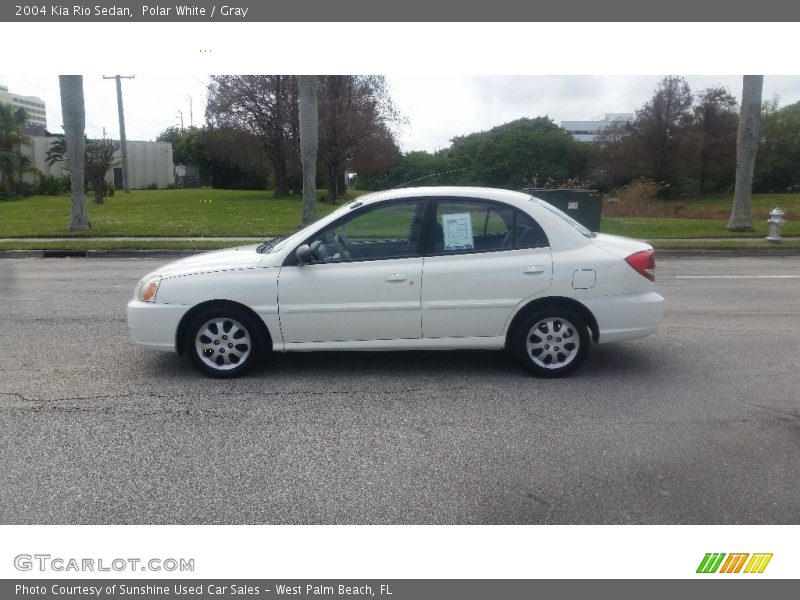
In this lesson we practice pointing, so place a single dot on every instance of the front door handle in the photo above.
(533, 270)
(396, 277)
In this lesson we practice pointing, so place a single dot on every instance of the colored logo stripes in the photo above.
(713, 562)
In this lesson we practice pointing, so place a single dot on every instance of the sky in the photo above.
(436, 108)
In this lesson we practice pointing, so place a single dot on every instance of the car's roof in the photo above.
(446, 191)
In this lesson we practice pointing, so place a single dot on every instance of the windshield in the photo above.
(279, 243)
(561, 214)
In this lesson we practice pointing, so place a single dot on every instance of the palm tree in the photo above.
(74, 115)
(309, 140)
(746, 148)
(12, 161)
(100, 158)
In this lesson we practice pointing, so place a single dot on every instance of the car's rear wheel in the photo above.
(223, 342)
(552, 341)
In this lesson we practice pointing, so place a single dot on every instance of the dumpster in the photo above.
(585, 206)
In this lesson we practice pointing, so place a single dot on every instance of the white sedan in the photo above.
(409, 269)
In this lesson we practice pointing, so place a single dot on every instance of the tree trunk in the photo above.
(309, 140)
(74, 117)
(98, 191)
(341, 186)
(280, 177)
(331, 195)
(746, 148)
(704, 144)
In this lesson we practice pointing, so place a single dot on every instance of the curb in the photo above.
(173, 254)
(731, 253)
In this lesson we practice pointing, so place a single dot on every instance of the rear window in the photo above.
(564, 216)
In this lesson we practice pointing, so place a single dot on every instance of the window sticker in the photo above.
(457, 231)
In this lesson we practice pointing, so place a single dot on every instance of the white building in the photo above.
(149, 163)
(37, 114)
(587, 131)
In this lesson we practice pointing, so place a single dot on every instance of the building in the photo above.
(587, 131)
(37, 114)
(149, 163)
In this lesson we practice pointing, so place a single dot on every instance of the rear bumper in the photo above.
(627, 317)
(154, 325)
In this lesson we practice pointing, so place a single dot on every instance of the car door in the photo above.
(364, 281)
(484, 258)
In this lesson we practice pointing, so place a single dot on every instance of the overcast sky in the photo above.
(436, 107)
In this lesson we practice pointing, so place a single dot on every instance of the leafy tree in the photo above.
(354, 114)
(778, 162)
(715, 125)
(262, 106)
(99, 159)
(74, 116)
(233, 158)
(309, 140)
(746, 148)
(658, 132)
(419, 167)
(525, 152)
(12, 162)
(185, 148)
(614, 156)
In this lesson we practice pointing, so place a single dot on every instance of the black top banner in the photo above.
(261, 11)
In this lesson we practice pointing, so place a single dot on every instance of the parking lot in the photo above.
(698, 424)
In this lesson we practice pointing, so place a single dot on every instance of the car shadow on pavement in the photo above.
(611, 360)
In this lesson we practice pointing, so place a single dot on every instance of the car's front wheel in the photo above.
(552, 341)
(223, 342)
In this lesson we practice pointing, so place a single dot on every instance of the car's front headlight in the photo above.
(146, 292)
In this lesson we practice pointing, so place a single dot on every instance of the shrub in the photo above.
(640, 190)
(50, 185)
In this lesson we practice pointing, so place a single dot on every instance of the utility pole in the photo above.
(191, 117)
(180, 116)
(123, 142)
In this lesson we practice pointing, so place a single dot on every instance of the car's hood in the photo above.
(243, 257)
(618, 245)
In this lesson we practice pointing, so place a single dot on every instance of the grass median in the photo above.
(160, 213)
(239, 214)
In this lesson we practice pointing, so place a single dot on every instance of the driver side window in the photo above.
(387, 231)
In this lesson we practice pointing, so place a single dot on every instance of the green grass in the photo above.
(655, 228)
(168, 213)
(237, 214)
(762, 203)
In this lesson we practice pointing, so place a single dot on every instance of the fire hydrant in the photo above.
(775, 221)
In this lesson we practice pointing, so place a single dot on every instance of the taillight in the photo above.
(644, 263)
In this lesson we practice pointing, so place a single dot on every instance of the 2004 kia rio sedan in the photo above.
(427, 268)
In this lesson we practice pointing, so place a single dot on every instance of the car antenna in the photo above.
(426, 177)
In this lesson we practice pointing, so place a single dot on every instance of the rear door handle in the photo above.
(396, 277)
(533, 270)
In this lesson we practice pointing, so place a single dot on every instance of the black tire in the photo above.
(223, 341)
(552, 341)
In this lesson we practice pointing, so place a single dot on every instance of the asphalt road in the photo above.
(698, 424)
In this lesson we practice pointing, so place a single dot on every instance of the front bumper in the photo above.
(154, 325)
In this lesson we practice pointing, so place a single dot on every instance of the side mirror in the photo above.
(303, 254)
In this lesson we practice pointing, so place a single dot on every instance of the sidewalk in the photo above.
(746, 247)
(133, 239)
